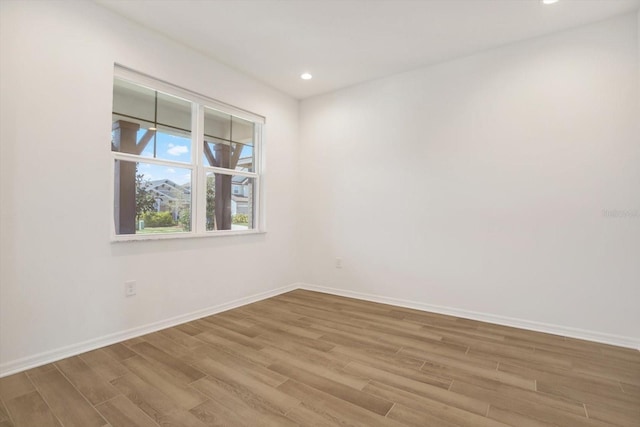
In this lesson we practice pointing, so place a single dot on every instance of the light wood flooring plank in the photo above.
(627, 417)
(410, 385)
(465, 369)
(157, 405)
(247, 404)
(65, 401)
(163, 360)
(121, 412)
(244, 385)
(181, 338)
(372, 403)
(397, 364)
(213, 413)
(103, 364)
(188, 355)
(302, 352)
(303, 416)
(4, 413)
(88, 382)
(120, 351)
(515, 419)
(536, 406)
(30, 410)
(15, 385)
(313, 366)
(236, 349)
(181, 395)
(445, 416)
(334, 409)
(417, 418)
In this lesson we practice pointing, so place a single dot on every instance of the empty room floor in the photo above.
(313, 359)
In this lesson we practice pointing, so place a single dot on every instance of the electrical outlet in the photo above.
(130, 288)
(338, 262)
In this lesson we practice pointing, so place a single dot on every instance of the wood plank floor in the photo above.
(312, 359)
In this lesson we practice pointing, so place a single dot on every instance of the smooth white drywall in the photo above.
(480, 184)
(62, 280)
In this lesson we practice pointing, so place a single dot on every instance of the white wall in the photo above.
(62, 280)
(479, 185)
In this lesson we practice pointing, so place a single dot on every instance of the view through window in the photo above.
(183, 164)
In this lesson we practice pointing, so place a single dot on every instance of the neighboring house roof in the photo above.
(169, 187)
(169, 191)
(246, 162)
(239, 179)
(164, 197)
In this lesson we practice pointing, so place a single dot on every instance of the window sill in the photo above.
(145, 237)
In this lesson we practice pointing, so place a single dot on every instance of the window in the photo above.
(184, 165)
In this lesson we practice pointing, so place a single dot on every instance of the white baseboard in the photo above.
(34, 361)
(600, 337)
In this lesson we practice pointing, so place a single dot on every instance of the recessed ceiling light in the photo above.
(549, 1)
(306, 76)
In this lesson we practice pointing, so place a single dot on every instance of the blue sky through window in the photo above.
(167, 147)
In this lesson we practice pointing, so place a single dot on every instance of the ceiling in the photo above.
(345, 42)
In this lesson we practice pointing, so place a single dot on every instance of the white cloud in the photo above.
(178, 150)
(171, 170)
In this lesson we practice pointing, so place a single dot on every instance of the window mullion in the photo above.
(200, 178)
(259, 211)
(225, 171)
(142, 159)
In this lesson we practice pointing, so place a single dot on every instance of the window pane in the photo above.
(131, 135)
(228, 155)
(162, 143)
(242, 131)
(174, 112)
(217, 152)
(217, 124)
(245, 159)
(132, 100)
(151, 198)
(171, 144)
(230, 202)
(150, 124)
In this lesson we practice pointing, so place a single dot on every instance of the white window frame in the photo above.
(198, 169)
